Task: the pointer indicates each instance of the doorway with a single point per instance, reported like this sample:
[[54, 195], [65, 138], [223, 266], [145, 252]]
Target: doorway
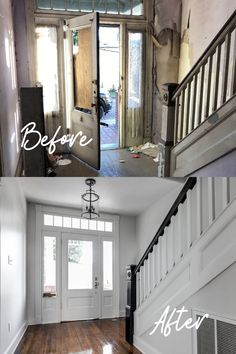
[[109, 37], [79, 269]]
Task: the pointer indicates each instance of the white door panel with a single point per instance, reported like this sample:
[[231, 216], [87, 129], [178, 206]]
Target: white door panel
[[80, 291]]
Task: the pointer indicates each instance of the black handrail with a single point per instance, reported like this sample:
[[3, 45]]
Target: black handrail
[[173, 211]]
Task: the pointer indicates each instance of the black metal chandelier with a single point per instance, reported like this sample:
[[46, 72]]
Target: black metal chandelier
[[90, 201]]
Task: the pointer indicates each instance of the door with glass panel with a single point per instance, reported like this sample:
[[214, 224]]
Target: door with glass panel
[[82, 86], [80, 277], [135, 88]]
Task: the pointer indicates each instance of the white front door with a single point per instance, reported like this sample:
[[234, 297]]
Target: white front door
[[80, 277]]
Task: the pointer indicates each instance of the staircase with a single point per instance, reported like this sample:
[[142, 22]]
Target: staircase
[[193, 246], [200, 115]]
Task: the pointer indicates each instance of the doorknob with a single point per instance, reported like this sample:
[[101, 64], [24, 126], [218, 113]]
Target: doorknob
[[96, 284]]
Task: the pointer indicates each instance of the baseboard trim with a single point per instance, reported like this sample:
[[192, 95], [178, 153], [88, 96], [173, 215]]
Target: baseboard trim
[[16, 340], [144, 347], [122, 313]]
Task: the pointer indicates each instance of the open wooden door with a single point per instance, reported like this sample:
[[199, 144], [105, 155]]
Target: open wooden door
[[82, 83]]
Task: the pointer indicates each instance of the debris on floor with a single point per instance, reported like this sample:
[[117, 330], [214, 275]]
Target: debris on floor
[[148, 149], [135, 156], [64, 162]]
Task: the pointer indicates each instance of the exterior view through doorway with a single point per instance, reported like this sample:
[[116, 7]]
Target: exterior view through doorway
[[109, 37]]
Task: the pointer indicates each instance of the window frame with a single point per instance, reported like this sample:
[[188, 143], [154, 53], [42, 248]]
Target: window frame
[[80, 13]]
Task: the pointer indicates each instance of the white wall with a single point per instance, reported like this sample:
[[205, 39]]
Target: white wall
[[206, 20], [128, 254], [212, 299], [9, 113], [148, 223], [13, 276]]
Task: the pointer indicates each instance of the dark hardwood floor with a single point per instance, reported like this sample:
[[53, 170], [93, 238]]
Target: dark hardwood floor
[[111, 166], [83, 337]]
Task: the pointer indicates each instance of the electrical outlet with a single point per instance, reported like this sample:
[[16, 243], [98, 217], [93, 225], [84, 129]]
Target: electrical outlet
[[9, 327]]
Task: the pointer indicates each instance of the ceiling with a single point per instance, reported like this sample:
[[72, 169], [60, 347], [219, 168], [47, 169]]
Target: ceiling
[[125, 196]]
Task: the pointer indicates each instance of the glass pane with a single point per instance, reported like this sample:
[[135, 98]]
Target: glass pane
[[66, 222], [58, 4], [100, 5], [84, 224], [107, 266], [48, 220], [108, 226], [44, 4], [58, 221], [135, 70], [112, 7], [125, 7], [47, 67], [92, 225], [76, 223], [137, 8], [49, 266], [101, 225], [80, 265], [86, 5], [73, 5]]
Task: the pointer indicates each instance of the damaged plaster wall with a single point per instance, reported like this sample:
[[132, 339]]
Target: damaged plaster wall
[[201, 21], [166, 30], [10, 112]]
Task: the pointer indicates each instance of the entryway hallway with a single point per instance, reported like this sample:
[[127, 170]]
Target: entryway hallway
[[84, 337]]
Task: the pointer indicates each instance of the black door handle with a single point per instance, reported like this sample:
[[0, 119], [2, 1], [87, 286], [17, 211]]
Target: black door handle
[[104, 124]]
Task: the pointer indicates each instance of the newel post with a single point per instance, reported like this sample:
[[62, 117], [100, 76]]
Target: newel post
[[167, 132], [131, 303]]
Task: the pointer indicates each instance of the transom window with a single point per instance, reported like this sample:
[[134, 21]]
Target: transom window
[[121, 7], [77, 223]]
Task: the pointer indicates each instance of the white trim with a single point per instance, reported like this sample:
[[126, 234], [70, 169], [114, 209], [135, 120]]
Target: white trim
[[144, 347], [41, 229], [200, 266], [16, 340]]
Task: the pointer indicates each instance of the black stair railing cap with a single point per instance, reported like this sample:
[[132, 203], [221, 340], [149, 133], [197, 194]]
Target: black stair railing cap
[[190, 183]]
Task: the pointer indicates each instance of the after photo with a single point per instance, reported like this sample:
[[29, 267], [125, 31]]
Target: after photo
[[118, 265]]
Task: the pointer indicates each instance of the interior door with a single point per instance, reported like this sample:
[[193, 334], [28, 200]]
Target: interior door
[[82, 78], [80, 271]]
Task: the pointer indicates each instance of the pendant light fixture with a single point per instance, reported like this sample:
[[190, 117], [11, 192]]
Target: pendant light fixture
[[90, 201]]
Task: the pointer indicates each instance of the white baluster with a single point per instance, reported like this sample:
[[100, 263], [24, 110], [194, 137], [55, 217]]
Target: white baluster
[[211, 200], [199, 207], [184, 235], [145, 279], [163, 256], [158, 253], [232, 188], [225, 192], [154, 264], [170, 246], [138, 289], [141, 283], [179, 222]]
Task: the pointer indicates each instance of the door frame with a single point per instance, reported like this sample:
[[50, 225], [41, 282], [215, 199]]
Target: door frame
[[35, 279], [34, 17]]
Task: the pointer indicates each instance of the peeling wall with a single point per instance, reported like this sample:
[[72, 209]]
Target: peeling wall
[[166, 29], [204, 18], [9, 113]]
